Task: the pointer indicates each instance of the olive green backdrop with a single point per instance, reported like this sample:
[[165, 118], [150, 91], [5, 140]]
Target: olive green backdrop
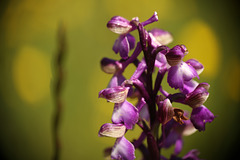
[[28, 45]]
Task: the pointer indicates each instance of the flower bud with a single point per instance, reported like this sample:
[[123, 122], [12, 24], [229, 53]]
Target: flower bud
[[176, 54], [196, 65], [115, 95], [112, 130], [110, 66], [165, 111], [198, 96], [162, 36], [119, 25]]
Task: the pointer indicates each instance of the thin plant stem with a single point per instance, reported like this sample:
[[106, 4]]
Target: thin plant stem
[[58, 90]]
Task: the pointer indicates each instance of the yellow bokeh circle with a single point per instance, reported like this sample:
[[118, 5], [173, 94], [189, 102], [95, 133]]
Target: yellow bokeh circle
[[31, 74], [202, 44]]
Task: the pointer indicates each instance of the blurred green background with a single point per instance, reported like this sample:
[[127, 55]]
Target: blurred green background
[[28, 45]]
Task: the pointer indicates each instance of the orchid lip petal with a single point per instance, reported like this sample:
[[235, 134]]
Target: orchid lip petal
[[126, 114], [200, 116], [123, 149]]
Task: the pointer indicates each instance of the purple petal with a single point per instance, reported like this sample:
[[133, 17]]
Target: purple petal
[[121, 45], [178, 146], [125, 113], [123, 149], [115, 95], [192, 155], [143, 110], [116, 80], [162, 36], [131, 41], [152, 19], [161, 61], [188, 71], [171, 139], [196, 65], [189, 86], [165, 111], [112, 130], [119, 25], [200, 116], [198, 96], [144, 113], [175, 77], [140, 69]]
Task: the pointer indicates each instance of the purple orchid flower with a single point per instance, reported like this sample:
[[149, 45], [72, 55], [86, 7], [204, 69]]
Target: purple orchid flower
[[174, 133], [154, 109]]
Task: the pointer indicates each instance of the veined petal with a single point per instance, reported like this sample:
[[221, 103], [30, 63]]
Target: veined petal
[[125, 113], [112, 130], [115, 95], [123, 149], [119, 25], [165, 111], [175, 55], [200, 116], [198, 96]]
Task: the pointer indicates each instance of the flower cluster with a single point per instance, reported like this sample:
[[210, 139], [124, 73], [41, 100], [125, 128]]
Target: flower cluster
[[155, 105]]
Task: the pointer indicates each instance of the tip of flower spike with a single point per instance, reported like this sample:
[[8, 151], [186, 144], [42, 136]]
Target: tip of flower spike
[[155, 15]]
